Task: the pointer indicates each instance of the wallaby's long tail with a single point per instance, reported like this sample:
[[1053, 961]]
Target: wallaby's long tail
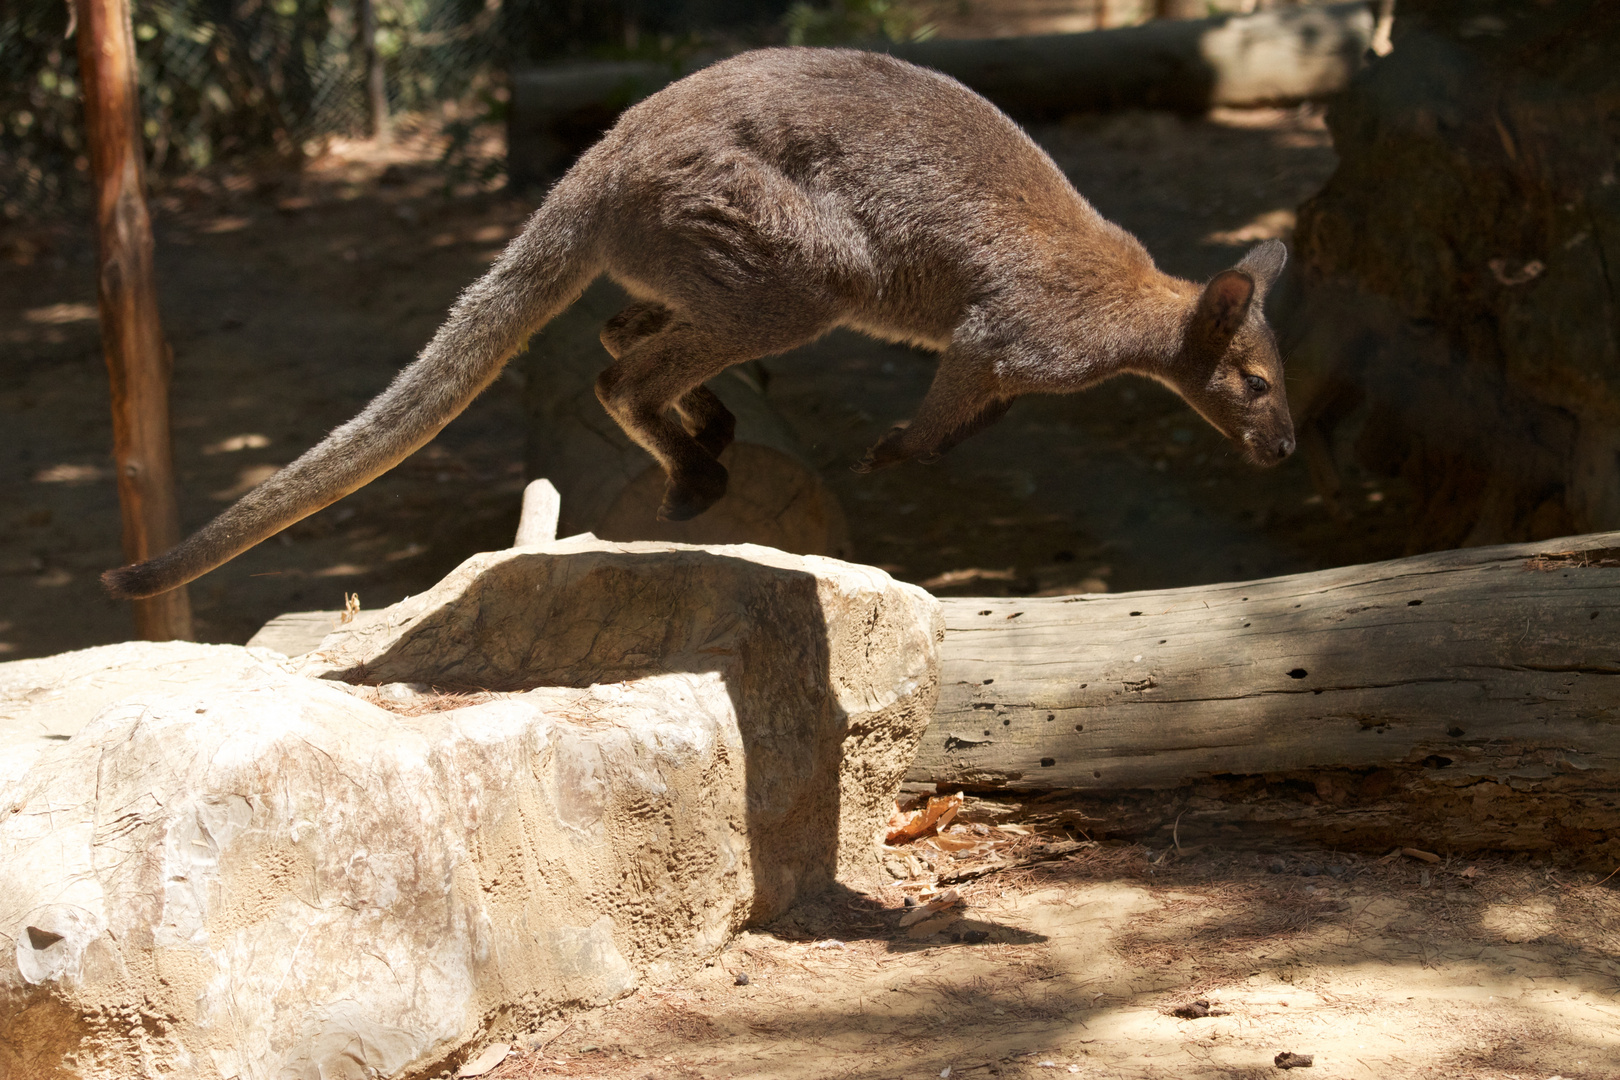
[[540, 273]]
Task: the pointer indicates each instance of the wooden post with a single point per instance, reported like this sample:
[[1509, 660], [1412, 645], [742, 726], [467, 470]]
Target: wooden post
[[377, 121], [138, 359]]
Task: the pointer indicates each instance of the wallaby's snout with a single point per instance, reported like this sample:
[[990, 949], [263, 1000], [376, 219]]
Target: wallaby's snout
[[1266, 449]]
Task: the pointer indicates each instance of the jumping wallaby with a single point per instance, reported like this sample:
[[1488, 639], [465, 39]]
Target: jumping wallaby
[[756, 205]]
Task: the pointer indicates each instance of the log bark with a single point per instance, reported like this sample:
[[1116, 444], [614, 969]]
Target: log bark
[[1189, 65], [612, 487], [1472, 696], [138, 359]]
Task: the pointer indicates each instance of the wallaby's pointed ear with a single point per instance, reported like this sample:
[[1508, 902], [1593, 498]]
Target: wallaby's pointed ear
[[1264, 263], [1224, 304]]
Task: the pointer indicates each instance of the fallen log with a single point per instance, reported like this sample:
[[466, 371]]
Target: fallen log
[[1458, 701], [1465, 699], [1186, 65], [1286, 55]]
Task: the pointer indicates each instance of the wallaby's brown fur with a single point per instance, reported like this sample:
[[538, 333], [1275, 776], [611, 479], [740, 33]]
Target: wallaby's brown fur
[[760, 203]]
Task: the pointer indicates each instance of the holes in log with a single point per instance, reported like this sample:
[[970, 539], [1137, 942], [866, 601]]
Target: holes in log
[[1298, 673], [1096, 775], [1006, 723], [986, 611], [1436, 761], [1414, 603], [1050, 717], [1079, 727], [1135, 613], [1455, 732], [1047, 762]]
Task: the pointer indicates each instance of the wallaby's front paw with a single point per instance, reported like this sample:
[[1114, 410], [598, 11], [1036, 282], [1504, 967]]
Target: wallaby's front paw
[[687, 496], [889, 450]]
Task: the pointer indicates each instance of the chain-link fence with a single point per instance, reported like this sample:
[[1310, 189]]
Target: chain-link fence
[[225, 79], [228, 79]]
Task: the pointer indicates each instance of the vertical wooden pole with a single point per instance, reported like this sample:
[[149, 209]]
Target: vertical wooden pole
[[376, 87], [138, 359]]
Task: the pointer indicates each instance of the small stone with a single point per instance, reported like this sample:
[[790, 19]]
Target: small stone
[[741, 979]]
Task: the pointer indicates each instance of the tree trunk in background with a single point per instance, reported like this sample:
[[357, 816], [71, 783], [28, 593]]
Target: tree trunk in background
[[1180, 9], [1456, 317], [612, 487], [377, 118], [138, 359]]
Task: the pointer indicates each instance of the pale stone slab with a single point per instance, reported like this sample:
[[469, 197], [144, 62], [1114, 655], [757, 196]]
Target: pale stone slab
[[230, 868]]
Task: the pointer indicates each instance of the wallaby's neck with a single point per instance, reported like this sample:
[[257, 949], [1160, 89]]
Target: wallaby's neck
[[1130, 320]]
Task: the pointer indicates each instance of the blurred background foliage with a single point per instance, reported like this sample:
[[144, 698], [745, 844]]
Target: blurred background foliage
[[245, 80]]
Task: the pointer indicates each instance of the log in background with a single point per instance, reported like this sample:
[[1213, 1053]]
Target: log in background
[[1461, 700]]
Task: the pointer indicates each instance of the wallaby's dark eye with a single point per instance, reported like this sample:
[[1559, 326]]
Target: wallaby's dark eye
[[1257, 385]]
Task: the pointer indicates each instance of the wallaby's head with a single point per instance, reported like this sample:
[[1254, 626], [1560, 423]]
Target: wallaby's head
[[1228, 368]]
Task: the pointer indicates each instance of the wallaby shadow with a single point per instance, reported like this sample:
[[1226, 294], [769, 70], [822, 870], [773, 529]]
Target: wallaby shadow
[[840, 913]]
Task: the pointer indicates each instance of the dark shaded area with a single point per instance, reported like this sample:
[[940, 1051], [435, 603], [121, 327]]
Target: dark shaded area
[[1457, 322], [554, 29]]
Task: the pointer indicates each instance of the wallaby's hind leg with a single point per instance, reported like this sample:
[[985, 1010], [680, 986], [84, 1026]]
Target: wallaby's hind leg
[[654, 373], [641, 319], [963, 400], [703, 415], [706, 418]]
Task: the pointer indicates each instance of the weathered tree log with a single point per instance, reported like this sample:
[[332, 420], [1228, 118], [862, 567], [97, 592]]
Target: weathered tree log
[[1400, 698], [1188, 65], [612, 487]]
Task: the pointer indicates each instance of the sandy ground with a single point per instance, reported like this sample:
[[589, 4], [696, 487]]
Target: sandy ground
[[1377, 969]]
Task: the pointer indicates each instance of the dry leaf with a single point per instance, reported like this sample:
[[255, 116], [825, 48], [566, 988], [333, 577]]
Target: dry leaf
[[936, 815], [493, 1055], [945, 900], [1472, 871], [1415, 853], [956, 842]]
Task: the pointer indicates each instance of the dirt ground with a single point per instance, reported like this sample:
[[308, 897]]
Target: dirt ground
[[291, 299], [1122, 962]]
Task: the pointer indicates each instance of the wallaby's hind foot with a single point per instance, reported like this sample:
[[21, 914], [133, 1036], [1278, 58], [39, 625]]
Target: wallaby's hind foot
[[693, 491], [706, 418]]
